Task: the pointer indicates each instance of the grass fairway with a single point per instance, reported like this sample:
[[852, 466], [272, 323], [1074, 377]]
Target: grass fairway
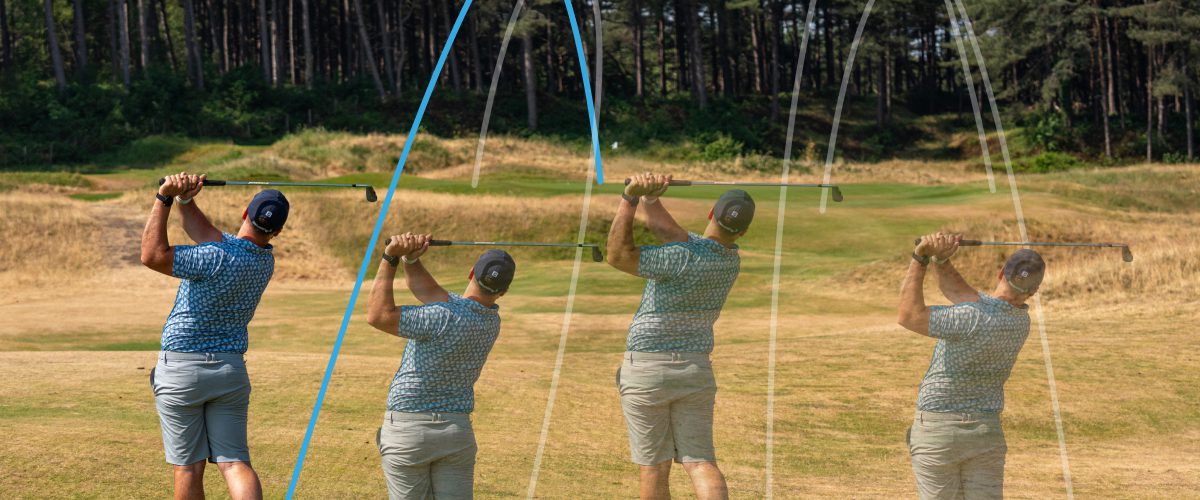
[[81, 324]]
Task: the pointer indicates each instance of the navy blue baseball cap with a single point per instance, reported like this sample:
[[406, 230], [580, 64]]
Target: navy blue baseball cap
[[494, 271], [268, 211], [734, 211], [1024, 270]]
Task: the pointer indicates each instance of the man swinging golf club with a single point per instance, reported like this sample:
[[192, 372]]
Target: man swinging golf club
[[956, 442], [666, 381], [426, 442], [200, 384]]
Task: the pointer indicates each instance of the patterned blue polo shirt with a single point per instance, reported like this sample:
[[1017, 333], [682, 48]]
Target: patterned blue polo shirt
[[977, 346], [222, 284], [686, 289], [448, 343]]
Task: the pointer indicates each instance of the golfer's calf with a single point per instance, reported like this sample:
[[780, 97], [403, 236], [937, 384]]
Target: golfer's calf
[[956, 441], [426, 442], [666, 380], [200, 384]]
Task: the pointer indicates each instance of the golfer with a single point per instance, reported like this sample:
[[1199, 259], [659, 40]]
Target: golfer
[[201, 387], [956, 442], [666, 380], [426, 441]]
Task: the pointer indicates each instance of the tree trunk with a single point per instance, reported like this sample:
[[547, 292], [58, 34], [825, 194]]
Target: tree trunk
[[776, 45], [143, 35], [60, 77], [194, 63], [476, 63], [828, 32], [264, 40], [662, 53], [1150, 104], [81, 58], [389, 67], [306, 32], [5, 39], [755, 51], [1187, 108], [530, 79], [697, 54], [166, 29], [123, 38], [278, 54], [681, 59], [635, 18], [368, 54], [455, 76]]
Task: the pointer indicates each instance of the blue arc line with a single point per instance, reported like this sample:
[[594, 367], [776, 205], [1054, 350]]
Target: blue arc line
[[587, 92], [362, 270]]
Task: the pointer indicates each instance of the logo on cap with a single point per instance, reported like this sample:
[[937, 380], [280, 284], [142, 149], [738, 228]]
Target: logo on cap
[[733, 214], [268, 213], [495, 273]]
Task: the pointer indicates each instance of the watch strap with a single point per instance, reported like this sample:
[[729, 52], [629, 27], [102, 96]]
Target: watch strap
[[166, 200], [924, 261], [633, 200], [394, 261]]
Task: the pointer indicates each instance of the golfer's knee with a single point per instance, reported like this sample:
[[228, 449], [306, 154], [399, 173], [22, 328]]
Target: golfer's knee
[[701, 467], [234, 466], [190, 469]]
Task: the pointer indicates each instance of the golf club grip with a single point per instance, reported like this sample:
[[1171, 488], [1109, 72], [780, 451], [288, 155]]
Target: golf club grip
[[207, 182], [676, 182], [961, 243]]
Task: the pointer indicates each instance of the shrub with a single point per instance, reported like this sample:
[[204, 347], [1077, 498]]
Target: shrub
[[1047, 162]]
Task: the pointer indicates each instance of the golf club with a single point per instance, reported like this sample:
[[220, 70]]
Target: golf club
[[596, 255], [837, 192], [371, 197], [1126, 254]]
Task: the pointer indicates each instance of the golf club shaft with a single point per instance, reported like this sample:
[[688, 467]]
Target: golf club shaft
[[975, 243], [446, 243], [682, 182], [216, 182]]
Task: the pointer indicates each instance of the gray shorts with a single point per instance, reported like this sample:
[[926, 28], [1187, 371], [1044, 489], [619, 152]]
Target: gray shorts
[[668, 401], [957, 455], [427, 455], [202, 400]]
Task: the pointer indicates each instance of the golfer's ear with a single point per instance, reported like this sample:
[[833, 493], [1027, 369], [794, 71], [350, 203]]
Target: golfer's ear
[[710, 213], [245, 213]]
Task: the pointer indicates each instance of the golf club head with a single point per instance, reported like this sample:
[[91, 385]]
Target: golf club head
[[596, 255], [371, 197], [1126, 254], [837, 194]]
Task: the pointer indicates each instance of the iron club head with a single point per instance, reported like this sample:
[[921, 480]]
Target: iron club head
[[371, 197], [596, 255], [1126, 254], [837, 194]]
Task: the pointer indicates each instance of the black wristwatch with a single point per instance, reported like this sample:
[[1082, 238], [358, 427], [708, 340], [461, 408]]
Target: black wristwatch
[[924, 261], [393, 260], [166, 200], [633, 200]]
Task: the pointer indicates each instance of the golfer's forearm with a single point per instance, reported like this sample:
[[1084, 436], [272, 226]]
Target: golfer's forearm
[[422, 284], [156, 250], [660, 222], [913, 313], [622, 253], [196, 224], [382, 312], [953, 286]]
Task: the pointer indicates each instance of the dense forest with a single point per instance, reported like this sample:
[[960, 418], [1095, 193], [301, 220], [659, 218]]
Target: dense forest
[[1100, 79]]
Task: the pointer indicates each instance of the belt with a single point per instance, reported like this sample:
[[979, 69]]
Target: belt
[[666, 356], [201, 356], [954, 416], [425, 416]]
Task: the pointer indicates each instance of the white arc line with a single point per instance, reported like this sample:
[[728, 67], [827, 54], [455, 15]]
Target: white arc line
[[1037, 302], [599, 54], [562, 339], [487, 110], [787, 159], [837, 114], [966, 64]]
